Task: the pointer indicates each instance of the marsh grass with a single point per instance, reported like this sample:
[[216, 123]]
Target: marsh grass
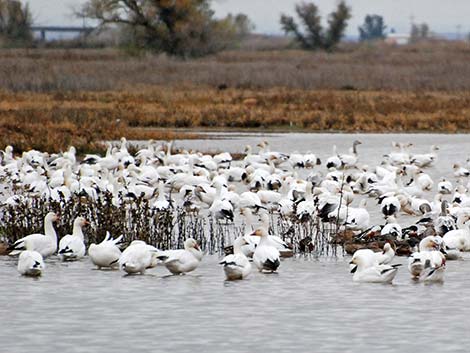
[[135, 219]]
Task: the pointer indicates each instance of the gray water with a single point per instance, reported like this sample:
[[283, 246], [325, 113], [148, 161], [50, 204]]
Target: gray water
[[310, 305]]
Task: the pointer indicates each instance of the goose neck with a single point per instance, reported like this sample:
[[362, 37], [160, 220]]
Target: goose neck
[[49, 229]]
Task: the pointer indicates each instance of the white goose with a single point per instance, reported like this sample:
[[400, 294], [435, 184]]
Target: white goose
[[107, 253], [266, 257], [428, 264], [45, 244], [138, 257], [236, 266], [460, 171], [392, 228], [426, 159], [161, 204], [30, 263], [72, 246], [444, 186], [350, 160], [221, 208], [459, 238], [390, 204], [182, 261], [375, 273]]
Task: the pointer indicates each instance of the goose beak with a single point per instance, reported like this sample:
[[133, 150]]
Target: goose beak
[[196, 247], [353, 268]]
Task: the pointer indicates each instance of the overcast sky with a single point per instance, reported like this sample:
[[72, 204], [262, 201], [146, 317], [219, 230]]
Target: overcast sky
[[442, 16]]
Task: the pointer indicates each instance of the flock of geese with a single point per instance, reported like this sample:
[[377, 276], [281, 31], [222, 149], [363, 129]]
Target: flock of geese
[[294, 185]]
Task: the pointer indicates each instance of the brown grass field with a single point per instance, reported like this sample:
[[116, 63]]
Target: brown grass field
[[50, 99]]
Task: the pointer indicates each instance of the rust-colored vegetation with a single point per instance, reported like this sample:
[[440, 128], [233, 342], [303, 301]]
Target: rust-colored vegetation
[[50, 99]]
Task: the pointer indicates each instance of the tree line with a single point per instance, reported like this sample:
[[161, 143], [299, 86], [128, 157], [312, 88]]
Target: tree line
[[188, 28]]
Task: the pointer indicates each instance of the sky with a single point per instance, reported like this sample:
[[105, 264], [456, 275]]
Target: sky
[[442, 16]]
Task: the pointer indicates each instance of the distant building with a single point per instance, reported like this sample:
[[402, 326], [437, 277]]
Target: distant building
[[397, 38]]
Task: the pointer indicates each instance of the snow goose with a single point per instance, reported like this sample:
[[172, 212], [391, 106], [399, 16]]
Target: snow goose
[[138, 257], [444, 186], [424, 181], [390, 205], [237, 266], [107, 253], [161, 203], [45, 244], [72, 246], [182, 261], [306, 208], [354, 218], [350, 160], [459, 238], [392, 228], [221, 208], [333, 161], [401, 157], [248, 249], [223, 159], [376, 273], [444, 223], [428, 256], [460, 171], [30, 263], [252, 158], [426, 159], [266, 257]]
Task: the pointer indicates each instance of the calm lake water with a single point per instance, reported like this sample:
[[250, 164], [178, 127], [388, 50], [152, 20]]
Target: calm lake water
[[310, 305]]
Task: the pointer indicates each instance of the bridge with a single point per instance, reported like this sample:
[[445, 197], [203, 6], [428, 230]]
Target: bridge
[[85, 31]]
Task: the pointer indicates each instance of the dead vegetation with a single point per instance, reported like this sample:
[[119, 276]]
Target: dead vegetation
[[50, 99], [437, 66]]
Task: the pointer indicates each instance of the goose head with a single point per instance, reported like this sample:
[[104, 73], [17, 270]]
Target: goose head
[[355, 263], [190, 244], [52, 217], [80, 222], [428, 244], [260, 232]]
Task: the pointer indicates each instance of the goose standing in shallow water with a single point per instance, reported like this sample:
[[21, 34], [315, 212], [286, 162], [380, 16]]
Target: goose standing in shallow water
[[72, 246], [45, 244], [30, 263], [107, 253], [236, 266], [182, 261], [138, 257], [266, 257]]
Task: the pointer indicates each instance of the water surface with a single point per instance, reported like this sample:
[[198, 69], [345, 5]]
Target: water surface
[[310, 305]]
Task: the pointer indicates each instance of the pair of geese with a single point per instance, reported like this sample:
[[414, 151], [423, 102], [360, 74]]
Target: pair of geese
[[425, 265], [136, 258]]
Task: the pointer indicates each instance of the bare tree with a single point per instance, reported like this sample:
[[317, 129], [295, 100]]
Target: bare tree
[[315, 37], [15, 22], [177, 27]]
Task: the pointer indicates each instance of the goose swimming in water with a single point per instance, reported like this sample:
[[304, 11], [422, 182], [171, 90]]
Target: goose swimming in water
[[375, 273], [236, 266], [266, 257], [428, 264], [30, 263]]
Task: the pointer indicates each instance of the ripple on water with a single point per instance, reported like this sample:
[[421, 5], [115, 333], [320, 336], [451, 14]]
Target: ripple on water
[[309, 304]]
